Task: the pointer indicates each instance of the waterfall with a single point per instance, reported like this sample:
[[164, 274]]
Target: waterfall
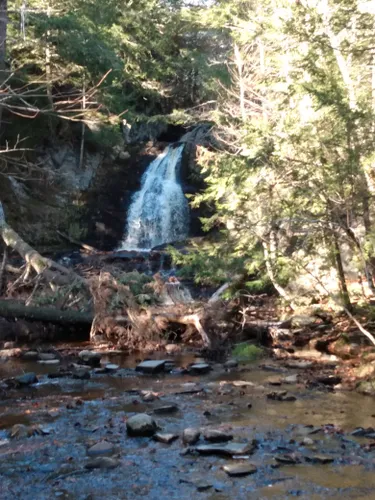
[[159, 211]]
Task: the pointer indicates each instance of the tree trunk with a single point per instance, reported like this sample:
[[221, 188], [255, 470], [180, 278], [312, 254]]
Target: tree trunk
[[341, 273], [3, 39], [53, 272]]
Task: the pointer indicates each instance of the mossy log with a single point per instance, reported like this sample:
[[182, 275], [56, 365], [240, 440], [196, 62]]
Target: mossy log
[[14, 309]]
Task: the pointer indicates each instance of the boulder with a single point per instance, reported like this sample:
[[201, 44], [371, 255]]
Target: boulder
[[141, 425]]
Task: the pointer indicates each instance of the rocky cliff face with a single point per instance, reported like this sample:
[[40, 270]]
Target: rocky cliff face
[[89, 202]]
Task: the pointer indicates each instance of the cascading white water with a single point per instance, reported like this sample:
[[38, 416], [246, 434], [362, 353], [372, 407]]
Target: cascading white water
[[159, 212]]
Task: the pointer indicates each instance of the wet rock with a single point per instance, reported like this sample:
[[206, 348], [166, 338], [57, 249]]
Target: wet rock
[[229, 449], [172, 408], [92, 358], [216, 436], [367, 387], [308, 441], [366, 370], [111, 367], [30, 355], [329, 380], [10, 345], [291, 379], [287, 459], [141, 425], [302, 320], [199, 369], [46, 356], [231, 363], [60, 374], [49, 362], [27, 379], [151, 366], [76, 366], [235, 470], [274, 380], [302, 365], [102, 463], [169, 366], [101, 448], [18, 431], [362, 432], [280, 396], [81, 375], [190, 436], [10, 353], [165, 438], [149, 396], [320, 459]]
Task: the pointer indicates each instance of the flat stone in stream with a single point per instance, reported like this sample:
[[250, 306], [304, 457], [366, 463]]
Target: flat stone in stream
[[151, 366], [320, 459], [190, 435], [236, 470], [231, 363], [27, 379], [46, 356], [229, 449], [111, 367], [165, 438], [200, 369], [141, 425], [216, 436], [101, 448], [49, 362], [172, 408]]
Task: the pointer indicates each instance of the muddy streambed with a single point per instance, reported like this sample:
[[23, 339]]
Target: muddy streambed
[[302, 447]]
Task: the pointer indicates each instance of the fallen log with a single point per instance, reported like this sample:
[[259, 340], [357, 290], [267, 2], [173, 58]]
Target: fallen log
[[54, 273], [14, 309]]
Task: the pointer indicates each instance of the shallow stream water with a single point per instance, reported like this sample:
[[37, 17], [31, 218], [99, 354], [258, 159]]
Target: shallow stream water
[[76, 414]]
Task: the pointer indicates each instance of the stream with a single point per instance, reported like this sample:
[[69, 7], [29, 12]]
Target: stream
[[304, 447]]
